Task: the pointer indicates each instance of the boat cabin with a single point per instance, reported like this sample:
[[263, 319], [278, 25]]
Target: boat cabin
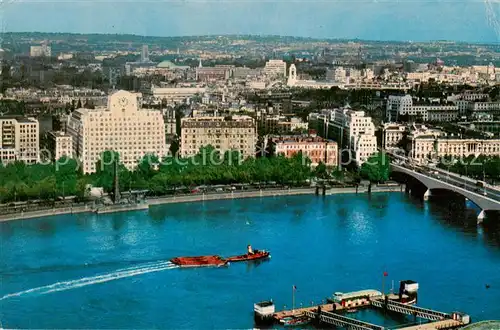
[[355, 299]]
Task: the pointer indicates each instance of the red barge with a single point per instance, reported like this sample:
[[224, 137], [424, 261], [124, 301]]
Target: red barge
[[201, 261], [217, 261]]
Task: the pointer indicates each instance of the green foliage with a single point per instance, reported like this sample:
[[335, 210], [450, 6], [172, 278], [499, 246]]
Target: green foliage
[[105, 170], [20, 182], [321, 171], [377, 168]]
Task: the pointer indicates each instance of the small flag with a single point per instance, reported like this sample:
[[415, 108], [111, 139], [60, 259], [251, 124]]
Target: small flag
[[386, 274]]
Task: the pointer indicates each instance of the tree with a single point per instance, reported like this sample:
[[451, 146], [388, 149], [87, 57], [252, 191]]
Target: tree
[[377, 168], [66, 174], [106, 170], [321, 171]]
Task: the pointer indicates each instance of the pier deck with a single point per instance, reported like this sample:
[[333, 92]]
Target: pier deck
[[443, 324], [301, 311], [439, 320]]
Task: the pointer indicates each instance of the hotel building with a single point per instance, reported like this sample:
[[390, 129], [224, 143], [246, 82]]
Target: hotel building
[[315, 148], [224, 134], [121, 126]]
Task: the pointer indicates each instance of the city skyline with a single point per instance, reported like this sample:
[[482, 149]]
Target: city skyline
[[375, 20]]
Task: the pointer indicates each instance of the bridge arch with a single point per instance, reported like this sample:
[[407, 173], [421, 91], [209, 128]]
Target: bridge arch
[[485, 203]]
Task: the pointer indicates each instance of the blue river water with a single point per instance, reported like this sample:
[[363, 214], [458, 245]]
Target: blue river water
[[111, 271]]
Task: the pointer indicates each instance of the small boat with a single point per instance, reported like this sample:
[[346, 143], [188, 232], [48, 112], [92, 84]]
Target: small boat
[[352, 310], [251, 255], [293, 321], [200, 261], [256, 255]]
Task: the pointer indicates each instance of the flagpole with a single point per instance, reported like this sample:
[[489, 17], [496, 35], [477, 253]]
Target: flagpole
[[383, 284], [293, 298]]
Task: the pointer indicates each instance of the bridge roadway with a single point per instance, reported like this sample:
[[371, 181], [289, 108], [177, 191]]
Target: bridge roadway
[[460, 181], [420, 312], [488, 202]]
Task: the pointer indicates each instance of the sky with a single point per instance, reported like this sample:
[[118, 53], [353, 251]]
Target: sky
[[405, 20]]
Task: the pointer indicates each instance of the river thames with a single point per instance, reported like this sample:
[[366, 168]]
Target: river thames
[[112, 271]]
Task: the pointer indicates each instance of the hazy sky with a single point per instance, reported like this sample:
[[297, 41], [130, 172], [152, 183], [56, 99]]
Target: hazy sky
[[464, 20]]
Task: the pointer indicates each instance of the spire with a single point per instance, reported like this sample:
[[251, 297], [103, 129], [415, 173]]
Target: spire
[[200, 65]]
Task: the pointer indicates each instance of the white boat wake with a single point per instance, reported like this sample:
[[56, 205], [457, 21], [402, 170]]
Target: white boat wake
[[73, 284]]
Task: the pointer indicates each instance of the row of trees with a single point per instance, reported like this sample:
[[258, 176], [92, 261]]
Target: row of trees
[[21, 182]]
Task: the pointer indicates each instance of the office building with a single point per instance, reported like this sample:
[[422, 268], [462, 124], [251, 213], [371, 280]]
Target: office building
[[60, 145], [145, 54], [210, 74], [275, 68], [19, 139], [392, 135], [40, 51], [176, 94], [122, 126], [398, 106], [351, 129]]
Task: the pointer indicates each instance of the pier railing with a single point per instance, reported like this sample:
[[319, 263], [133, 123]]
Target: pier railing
[[343, 321], [424, 313]]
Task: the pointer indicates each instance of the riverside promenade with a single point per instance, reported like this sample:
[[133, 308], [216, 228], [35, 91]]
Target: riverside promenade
[[187, 198]]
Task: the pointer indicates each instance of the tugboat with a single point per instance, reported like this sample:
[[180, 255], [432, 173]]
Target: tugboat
[[201, 261], [251, 255]]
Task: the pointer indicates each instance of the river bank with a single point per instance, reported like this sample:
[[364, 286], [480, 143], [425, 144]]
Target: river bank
[[195, 198]]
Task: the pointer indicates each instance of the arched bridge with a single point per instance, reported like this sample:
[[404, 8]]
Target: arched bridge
[[486, 199]]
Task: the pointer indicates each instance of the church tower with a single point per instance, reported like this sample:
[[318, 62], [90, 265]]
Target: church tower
[[292, 75]]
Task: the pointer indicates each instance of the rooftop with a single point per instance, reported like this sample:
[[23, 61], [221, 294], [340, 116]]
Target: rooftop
[[299, 139]]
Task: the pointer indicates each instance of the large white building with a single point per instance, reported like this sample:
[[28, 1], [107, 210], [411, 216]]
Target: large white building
[[19, 139], [352, 130], [121, 126], [361, 132], [40, 51], [403, 105], [293, 81], [276, 68]]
